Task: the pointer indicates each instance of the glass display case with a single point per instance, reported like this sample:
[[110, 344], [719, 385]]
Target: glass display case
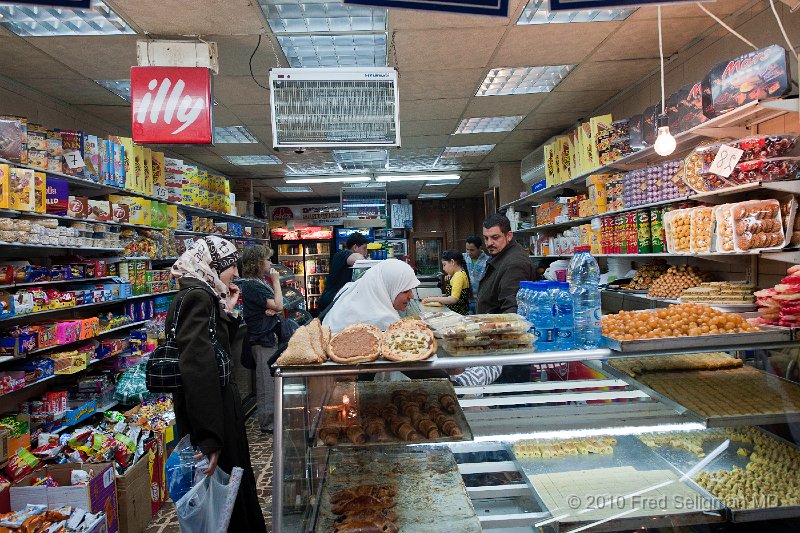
[[600, 440]]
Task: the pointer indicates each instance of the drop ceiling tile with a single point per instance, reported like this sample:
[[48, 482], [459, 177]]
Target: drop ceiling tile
[[240, 90], [102, 57], [607, 74], [251, 114], [235, 51], [431, 109], [580, 101], [684, 10], [544, 121], [21, 61], [509, 152], [117, 115], [436, 84], [491, 106], [432, 141], [175, 17], [243, 149], [526, 136], [432, 50], [419, 19], [77, 92], [421, 128], [551, 44], [262, 133], [640, 39]]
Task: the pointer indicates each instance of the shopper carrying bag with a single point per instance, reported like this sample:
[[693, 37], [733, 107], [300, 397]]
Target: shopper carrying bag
[[263, 305], [208, 411]]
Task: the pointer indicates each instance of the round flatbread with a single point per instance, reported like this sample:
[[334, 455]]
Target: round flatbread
[[408, 340], [433, 304], [359, 343]]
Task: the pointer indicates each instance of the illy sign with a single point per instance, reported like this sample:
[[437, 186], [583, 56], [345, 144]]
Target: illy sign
[[171, 105]]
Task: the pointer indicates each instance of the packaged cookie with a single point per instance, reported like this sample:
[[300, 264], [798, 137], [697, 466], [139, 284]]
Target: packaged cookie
[[757, 225], [724, 229], [678, 226], [702, 229]]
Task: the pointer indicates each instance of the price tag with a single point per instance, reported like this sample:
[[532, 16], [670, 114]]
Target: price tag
[[74, 160], [727, 159]]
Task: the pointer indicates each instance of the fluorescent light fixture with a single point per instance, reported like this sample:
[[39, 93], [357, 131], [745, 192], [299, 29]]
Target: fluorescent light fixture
[[419, 177], [442, 183], [537, 12], [367, 185], [488, 124], [293, 189], [523, 80], [320, 16], [340, 50], [432, 195], [42, 21], [343, 179], [467, 151], [121, 88], [248, 160], [233, 135], [361, 159]]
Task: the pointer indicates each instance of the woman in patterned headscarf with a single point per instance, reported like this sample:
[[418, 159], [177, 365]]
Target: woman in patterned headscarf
[[210, 413]]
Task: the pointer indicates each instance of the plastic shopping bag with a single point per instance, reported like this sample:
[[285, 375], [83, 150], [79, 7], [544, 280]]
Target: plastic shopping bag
[[208, 505], [180, 469]]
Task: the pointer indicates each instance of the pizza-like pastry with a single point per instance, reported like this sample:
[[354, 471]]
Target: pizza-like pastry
[[408, 340], [359, 343]]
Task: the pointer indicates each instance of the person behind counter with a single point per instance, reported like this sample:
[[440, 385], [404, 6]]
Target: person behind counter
[[476, 260], [509, 264], [375, 298], [340, 273], [210, 413], [457, 288], [261, 303]]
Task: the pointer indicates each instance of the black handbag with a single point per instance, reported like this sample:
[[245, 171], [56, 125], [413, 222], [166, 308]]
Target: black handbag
[[163, 372]]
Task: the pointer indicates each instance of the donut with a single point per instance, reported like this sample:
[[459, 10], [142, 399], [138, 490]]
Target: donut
[[739, 212], [745, 241]]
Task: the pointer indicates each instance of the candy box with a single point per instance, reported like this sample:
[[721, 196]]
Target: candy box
[[98, 496], [46, 335], [78, 207], [35, 369], [67, 332], [99, 210], [690, 107], [21, 192], [5, 186], [56, 196], [6, 304], [14, 132], [23, 302], [90, 327], [120, 213], [70, 362]]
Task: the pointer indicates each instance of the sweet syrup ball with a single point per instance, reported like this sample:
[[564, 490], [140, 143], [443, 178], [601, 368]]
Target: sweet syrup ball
[[683, 320]]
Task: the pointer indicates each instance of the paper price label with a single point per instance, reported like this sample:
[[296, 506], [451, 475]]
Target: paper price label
[[725, 162], [74, 160]]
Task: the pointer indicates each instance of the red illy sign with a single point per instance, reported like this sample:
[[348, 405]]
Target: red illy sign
[[171, 105]]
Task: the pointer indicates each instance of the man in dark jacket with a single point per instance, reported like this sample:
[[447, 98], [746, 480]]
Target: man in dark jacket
[[508, 266]]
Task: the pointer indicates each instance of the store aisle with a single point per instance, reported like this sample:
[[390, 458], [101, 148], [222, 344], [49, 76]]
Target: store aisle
[[260, 455]]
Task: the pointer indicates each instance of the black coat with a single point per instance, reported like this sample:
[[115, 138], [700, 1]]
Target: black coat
[[498, 289], [212, 416]]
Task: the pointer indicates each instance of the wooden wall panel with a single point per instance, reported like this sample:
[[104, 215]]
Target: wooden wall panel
[[455, 219]]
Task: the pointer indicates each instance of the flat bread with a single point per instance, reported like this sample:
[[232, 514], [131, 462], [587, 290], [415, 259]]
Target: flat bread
[[359, 343], [408, 340], [315, 333], [299, 351], [433, 304], [326, 338]]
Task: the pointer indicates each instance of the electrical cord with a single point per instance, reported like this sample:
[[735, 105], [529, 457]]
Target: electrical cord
[[251, 64]]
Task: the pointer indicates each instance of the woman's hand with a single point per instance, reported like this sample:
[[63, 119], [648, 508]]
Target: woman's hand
[[274, 275], [233, 295], [429, 299], [271, 312], [213, 457]]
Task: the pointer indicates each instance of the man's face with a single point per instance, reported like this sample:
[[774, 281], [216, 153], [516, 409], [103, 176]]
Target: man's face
[[473, 251], [496, 241], [361, 250]]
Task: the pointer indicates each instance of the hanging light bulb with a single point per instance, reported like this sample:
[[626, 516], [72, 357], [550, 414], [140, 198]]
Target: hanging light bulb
[[665, 143]]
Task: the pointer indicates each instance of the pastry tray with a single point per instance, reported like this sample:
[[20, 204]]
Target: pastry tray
[[371, 392], [684, 460], [431, 495], [711, 342], [616, 485]]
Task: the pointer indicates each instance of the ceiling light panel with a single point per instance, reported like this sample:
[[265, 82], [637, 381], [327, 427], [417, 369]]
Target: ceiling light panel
[[418, 177], [121, 88], [476, 150], [488, 124], [319, 16], [292, 189], [345, 50], [41, 21], [343, 179], [432, 195], [536, 12], [361, 159], [523, 80], [247, 160], [233, 135]]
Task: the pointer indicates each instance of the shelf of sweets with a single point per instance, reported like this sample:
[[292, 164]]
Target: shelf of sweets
[[101, 189], [745, 116], [49, 312], [100, 409], [228, 237], [76, 249], [58, 282]]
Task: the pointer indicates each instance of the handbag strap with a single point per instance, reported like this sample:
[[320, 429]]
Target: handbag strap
[[212, 324]]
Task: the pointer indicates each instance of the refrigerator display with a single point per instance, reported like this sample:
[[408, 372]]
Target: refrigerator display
[[342, 234], [308, 258]]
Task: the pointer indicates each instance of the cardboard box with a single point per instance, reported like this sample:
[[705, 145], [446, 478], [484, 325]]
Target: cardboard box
[[57, 196], [78, 207], [3, 445], [98, 495], [40, 192], [5, 186], [134, 505], [158, 168], [22, 195], [21, 441]]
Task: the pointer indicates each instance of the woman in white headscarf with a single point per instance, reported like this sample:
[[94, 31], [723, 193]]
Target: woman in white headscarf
[[375, 298]]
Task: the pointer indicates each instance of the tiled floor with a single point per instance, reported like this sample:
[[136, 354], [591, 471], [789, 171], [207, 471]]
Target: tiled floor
[[261, 457]]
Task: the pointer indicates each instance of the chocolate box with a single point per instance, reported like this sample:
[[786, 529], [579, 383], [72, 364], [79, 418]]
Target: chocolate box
[[13, 131], [690, 108], [57, 196], [99, 210], [649, 124], [5, 186], [756, 75], [78, 207], [22, 195]]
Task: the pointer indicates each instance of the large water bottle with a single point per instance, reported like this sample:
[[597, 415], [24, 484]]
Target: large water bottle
[[562, 315], [541, 316], [523, 299], [584, 279]]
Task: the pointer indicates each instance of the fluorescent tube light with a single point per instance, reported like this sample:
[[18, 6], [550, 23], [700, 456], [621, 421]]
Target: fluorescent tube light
[[421, 177], [432, 195], [343, 179], [248, 160], [43, 21], [467, 151], [523, 80], [292, 189], [488, 124], [537, 12], [233, 135]]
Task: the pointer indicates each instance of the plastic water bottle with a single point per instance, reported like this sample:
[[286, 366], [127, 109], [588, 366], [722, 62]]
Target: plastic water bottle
[[584, 279], [541, 316], [523, 299], [562, 315]]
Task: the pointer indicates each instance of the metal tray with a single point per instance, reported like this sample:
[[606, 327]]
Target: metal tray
[[372, 392], [631, 454], [711, 342], [684, 460], [431, 496]]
